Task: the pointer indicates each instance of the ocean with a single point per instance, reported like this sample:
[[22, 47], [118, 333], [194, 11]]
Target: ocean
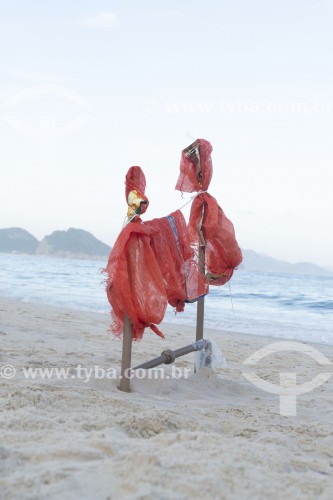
[[278, 305]]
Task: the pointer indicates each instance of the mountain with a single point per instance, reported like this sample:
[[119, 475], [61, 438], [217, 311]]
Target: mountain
[[253, 261], [15, 239], [73, 243], [77, 243]]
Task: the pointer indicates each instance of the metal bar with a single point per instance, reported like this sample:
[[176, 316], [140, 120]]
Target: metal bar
[[160, 360], [200, 318], [168, 356], [184, 350], [124, 384], [201, 301]]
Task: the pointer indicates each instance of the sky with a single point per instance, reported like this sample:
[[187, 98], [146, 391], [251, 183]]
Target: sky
[[88, 89]]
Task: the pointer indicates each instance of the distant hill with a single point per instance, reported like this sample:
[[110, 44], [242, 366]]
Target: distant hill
[[15, 239], [73, 243], [253, 261]]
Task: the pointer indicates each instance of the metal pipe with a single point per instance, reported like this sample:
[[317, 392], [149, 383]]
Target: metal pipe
[[160, 360], [167, 357], [201, 301], [124, 384], [200, 318]]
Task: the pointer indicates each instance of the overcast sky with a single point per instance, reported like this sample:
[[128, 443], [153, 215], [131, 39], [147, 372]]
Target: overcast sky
[[90, 88]]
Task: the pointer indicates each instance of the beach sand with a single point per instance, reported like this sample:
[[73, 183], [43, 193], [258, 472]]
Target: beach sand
[[205, 436]]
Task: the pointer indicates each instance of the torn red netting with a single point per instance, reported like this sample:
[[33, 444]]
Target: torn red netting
[[134, 283], [208, 225], [196, 168]]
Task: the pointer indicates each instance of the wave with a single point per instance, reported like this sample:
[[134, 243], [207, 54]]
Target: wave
[[252, 303]]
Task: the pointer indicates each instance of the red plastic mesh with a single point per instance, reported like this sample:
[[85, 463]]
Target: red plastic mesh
[[134, 283], [188, 182], [176, 260], [208, 224], [136, 181], [157, 262], [223, 254], [152, 263]]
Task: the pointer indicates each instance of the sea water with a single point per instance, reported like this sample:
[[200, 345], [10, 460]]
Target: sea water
[[279, 305]]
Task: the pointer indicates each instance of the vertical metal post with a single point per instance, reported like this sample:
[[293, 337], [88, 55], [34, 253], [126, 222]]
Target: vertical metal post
[[124, 384], [193, 153], [201, 301]]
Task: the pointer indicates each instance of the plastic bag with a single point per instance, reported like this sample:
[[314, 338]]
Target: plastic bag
[[212, 357]]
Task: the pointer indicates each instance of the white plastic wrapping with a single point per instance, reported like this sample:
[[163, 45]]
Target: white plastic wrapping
[[210, 357]]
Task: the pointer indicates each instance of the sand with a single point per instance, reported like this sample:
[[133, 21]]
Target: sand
[[211, 435]]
